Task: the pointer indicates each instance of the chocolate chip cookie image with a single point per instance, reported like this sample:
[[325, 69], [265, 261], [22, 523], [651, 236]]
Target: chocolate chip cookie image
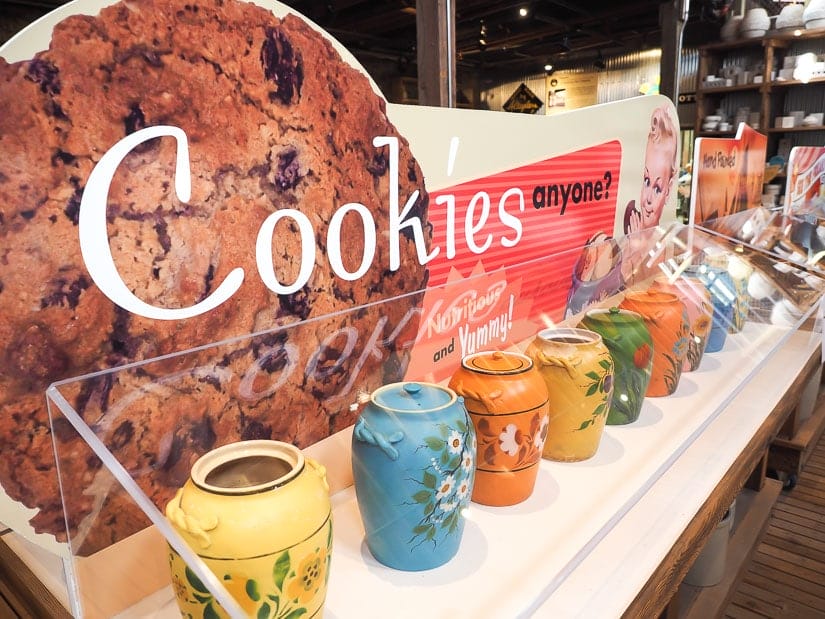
[[276, 121]]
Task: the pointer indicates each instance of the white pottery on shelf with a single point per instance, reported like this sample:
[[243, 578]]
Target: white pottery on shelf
[[755, 24], [790, 17], [709, 567], [814, 14], [730, 29]]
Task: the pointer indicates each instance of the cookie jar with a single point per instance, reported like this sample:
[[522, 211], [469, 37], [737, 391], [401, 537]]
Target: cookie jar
[[631, 348], [578, 371], [699, 311], [666, 318], [413, 466], [723, 297], [258, 514], [506, 399], [738, 272]]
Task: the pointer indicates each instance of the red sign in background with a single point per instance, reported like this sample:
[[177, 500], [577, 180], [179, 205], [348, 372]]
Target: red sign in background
[[499, 278]]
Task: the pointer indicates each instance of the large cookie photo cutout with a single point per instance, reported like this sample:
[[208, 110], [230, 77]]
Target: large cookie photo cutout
[[280, 135]]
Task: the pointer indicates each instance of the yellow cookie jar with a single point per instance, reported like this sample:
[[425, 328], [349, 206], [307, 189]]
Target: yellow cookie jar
[[578, 371], [258, 515]]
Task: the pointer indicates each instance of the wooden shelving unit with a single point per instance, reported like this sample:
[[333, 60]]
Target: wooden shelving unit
[[795, 442], [768, 97], [753, 509], [756, 495]]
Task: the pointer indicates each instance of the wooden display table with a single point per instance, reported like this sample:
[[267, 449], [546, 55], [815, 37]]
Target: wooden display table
[[638, 569], [634, 562]]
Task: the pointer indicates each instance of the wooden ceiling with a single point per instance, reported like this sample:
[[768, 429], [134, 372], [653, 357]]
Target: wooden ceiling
[[492, 35]]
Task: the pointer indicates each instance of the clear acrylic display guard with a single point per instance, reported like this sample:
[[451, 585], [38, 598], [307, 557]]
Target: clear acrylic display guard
[[511, 559]]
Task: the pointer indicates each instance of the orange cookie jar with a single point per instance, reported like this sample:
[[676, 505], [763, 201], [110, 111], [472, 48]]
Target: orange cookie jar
[[699, 305], [578, 371], [666, 318], [507, 401]]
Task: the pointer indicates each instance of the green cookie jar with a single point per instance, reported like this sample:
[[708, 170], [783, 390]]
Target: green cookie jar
[[631, 347]]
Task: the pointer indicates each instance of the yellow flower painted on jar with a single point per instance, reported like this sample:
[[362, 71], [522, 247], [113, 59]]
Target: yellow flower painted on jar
[[180, 588], [702, 325], [245, 592], [309, 578]]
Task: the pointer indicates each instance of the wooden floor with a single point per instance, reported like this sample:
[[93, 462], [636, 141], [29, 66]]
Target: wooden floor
[[786, 576]]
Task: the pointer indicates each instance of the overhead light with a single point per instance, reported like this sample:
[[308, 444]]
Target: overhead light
[[548, 67], [482, 34], [522, 12]]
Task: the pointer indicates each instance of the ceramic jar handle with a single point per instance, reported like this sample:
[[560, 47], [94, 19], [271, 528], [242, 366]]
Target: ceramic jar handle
[[365, 434], [319, 469], [486, 398], [568, 363], [196, 527]]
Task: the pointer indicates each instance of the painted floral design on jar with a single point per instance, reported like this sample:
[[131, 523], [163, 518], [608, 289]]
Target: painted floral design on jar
[[446, 483], [666, 319], [238, 512], [413, 467], [697, 301], [286, 591], [577, 370], [628, 340], [507, 401]]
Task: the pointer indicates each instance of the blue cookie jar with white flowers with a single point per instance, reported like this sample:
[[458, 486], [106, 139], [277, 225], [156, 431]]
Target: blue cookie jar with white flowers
[[413, 465]]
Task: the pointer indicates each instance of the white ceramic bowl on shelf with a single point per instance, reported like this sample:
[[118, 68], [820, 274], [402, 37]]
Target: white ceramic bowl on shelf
[[730, 29], [813, 120], [814, 14], [790, 17], [756, 23]]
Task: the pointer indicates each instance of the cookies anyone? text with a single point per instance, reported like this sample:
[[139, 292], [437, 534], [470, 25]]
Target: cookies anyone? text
[[99, 261]]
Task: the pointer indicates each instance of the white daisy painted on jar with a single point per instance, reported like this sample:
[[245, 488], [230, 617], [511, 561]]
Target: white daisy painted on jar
[[455, 442], [447, 506], [445, 487], [509, 439], [467, 462], [463, 490]]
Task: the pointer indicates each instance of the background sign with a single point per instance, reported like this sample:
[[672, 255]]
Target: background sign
[[727, 174], [523, 100], [805, 189]]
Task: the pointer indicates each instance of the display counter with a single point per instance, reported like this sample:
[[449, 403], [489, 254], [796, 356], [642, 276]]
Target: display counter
[[514, 560], [635, 568], [611, 533]]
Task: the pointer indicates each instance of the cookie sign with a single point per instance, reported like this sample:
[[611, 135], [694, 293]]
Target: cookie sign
[[147, 154], [97, 256], [206, 207]]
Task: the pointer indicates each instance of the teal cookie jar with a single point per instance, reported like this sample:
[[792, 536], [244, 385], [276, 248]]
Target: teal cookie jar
[[413, 466]]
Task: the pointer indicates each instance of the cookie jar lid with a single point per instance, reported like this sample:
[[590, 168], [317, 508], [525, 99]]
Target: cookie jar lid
[[651, 296], [611, 316], [413, 397], [497, 362]]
